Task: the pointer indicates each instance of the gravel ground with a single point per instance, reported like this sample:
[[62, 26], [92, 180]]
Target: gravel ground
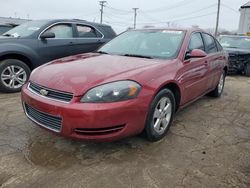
[[207, 146]]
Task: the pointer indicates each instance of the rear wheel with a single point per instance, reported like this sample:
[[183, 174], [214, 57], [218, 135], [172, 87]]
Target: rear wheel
[[220, 87], [247, 69], [13, 75], [160, 115]]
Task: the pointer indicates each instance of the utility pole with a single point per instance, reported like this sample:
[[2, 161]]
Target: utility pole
[[102, 4], [135, 16], [217, 19]]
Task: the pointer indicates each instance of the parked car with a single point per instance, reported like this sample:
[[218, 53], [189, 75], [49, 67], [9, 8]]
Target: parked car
[[6, 27], [238, 48], [134, 83], [36, 42]]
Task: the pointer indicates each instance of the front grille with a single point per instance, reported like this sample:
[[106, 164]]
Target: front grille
[[98, 131], [53, 123], [52, 94]]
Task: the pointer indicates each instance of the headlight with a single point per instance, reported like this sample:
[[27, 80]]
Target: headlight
[[112, 92]]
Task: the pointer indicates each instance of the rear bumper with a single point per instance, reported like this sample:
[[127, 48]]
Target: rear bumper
[[91, 122]]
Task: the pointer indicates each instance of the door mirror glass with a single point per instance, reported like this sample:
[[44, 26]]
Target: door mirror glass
[[47, 35], [196, 53]]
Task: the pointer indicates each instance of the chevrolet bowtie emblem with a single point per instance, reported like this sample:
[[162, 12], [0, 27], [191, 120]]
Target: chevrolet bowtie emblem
[[44, 92]]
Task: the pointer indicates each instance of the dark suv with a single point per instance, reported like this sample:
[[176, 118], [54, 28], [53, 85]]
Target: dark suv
[[37, 42]]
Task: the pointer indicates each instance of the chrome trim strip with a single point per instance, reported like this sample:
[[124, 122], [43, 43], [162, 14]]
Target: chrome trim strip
[[77, 23], [34, 92], [44, 126]]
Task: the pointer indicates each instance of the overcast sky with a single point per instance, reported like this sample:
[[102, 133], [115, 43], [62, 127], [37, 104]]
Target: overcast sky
[[119, 13]]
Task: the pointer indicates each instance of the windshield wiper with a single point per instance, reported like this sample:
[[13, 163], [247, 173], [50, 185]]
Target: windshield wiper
[[140, 56], [102, 52]]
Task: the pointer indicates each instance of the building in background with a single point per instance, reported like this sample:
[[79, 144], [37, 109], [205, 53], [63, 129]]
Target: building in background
[[244, 25]]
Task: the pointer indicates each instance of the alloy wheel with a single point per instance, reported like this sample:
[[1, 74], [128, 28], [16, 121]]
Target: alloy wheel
[[13, 77], [162, 115], [221, 83]]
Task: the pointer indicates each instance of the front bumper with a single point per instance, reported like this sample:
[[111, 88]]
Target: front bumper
[[91, 122]]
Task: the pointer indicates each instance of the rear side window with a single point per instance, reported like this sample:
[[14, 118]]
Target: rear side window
[[196, 42], [210, 44], [62, 31], [85, 31]]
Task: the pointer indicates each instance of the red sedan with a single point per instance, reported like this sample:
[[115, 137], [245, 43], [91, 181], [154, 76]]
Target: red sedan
[[134, 83]]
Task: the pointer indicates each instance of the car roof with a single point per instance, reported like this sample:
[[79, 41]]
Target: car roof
[[172, 29], [235, 36], [50, 21]]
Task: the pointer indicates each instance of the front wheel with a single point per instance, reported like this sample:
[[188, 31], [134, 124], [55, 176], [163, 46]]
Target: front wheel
[[220, 87], [13, 75], [160, 115]]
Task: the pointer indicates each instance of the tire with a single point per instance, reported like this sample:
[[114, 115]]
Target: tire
[[13, 75], [153, 132], [220, 86], [247, 69]]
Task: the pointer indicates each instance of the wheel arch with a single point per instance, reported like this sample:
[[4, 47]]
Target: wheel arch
[[17, 56], [174, 87]]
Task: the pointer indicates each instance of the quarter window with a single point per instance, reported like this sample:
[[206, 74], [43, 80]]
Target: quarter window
[[211, 46], [62, 31], [87, 32], [196, 42]]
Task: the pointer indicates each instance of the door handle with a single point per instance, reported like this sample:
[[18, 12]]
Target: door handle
[[71, 43]]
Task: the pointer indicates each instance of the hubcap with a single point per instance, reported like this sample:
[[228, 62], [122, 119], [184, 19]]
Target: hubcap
[[162, 115], [221, 83], [13, 77]]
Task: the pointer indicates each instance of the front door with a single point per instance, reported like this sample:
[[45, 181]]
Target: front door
[[195, 71], [60, 46]]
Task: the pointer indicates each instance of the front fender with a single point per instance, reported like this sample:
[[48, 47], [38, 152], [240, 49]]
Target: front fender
[[19, 49]]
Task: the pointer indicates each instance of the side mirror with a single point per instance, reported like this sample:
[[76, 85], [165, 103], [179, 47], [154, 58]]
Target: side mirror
[[196, 53], [47, 35]]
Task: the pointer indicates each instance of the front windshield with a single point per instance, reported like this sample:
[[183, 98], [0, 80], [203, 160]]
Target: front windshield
[[25, 29], [235, 42], [152, 43]]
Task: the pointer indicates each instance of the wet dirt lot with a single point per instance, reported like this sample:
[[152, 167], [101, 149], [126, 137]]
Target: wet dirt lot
[[207, 146]]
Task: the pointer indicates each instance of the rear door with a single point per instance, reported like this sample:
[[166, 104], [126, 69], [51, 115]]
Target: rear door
[[215, 60], [60, 46], [88, 39], [195, 71]]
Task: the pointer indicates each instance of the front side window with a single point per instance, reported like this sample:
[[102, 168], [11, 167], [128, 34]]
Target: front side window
[[151, 43], [196, 42], [211, 46], [62, 30], [87, 32]]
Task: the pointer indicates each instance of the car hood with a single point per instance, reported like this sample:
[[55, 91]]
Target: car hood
[[77, 74], [237, 51]]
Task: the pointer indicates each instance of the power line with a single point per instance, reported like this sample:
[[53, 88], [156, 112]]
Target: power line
[[179, 19], [120, 11], [173, 6], [228, 7], [189, 13]]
